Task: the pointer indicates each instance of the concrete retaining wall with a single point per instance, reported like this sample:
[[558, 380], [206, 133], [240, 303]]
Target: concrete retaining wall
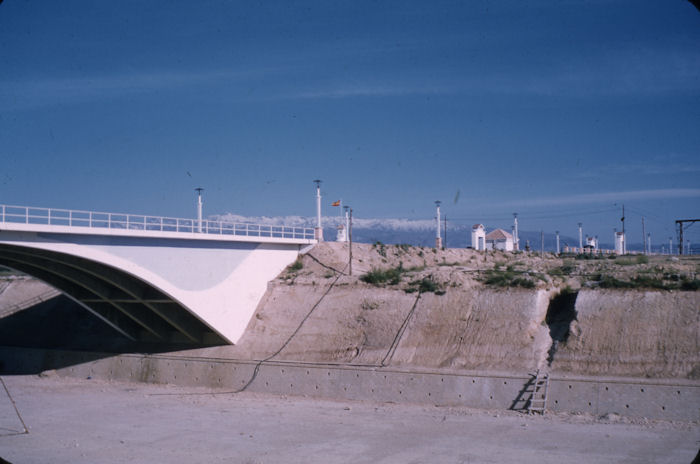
[[653, 399]]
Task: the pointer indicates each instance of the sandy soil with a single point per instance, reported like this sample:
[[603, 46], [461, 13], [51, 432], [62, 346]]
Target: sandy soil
[[90, 421]]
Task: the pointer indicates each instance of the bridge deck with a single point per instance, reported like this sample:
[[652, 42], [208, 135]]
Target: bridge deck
[[33, 219]]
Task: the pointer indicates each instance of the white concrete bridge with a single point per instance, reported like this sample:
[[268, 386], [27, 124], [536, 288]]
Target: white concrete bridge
[[152, 278]]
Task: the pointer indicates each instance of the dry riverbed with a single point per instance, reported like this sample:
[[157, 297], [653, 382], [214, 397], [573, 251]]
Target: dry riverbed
[[92, 421]]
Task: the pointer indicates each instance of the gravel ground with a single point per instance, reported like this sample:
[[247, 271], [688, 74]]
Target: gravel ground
[[91, 421]]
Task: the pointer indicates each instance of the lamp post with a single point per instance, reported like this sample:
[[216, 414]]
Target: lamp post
[[438, 239], [580, 237], [350, 241], [199, 208], [318, 232]]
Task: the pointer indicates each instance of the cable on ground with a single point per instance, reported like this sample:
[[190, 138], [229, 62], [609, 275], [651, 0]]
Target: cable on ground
[[399, 334], [14, 405], [284, 345]]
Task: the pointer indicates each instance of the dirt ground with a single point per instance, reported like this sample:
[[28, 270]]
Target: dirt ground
[[91, 421]]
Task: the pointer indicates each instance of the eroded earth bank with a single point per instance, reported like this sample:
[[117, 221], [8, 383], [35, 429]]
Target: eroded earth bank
[[461, 309]]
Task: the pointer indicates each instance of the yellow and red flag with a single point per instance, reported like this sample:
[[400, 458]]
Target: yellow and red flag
[[336, 203]]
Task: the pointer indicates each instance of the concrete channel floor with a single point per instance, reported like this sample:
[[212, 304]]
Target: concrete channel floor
[[93, 421]]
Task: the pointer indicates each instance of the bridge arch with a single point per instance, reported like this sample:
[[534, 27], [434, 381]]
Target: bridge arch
[[152, 279], [131, 306]]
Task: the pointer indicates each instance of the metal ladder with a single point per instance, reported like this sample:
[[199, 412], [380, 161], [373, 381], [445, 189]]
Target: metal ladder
[[538, 400]]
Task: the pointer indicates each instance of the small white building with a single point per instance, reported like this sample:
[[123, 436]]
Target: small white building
[[591, 243], [499, 239], [619, 243], [341, 234], [478, 237]]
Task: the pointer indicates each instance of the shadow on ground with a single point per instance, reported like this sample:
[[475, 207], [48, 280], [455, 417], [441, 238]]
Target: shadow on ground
[[60, 324]]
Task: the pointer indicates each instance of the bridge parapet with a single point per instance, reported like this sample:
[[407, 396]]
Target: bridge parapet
[[93, 222]]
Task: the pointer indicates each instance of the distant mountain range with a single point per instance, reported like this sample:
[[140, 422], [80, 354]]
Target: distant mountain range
[[408, 231]]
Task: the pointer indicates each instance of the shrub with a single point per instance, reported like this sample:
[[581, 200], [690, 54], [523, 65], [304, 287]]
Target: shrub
[[390, 276], [381, 248], [651, 282], [295, 266], [644, 281], [690, 285], [498, 278], [425, 285]]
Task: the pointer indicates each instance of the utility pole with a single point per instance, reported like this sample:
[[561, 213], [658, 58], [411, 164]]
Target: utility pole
[[438, 237], [542, 243], [624, 237], [649, 241], [445, 242], [644, 237], [347, 223], [580, 237], [680, 223], [350, 245], [199, 208]]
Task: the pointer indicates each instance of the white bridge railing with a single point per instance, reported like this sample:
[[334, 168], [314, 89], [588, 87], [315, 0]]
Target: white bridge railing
[[97, 220]]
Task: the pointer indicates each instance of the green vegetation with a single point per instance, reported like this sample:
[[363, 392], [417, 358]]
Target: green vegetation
[[649, 282], [295, 266], [390, 276], [425, 285], [380, 247], [447, 263], [564, 270], [589, 256], [630, 261], [690, 285], [498, 278], [382, 276]]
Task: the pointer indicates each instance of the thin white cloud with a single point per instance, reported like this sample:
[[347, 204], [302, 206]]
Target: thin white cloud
[[332, 221], [31, 93], [622, 72], [392, 89], [644, 169], [606, 197]]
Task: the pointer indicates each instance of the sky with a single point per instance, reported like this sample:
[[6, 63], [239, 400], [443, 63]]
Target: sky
[[560, 111]]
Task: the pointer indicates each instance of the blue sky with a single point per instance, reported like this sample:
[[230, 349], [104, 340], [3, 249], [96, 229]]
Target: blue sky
[[561, 111]]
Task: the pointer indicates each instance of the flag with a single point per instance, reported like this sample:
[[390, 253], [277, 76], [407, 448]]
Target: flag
[[336, 203]]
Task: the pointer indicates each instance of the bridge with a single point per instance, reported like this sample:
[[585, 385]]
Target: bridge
[[151, 278]]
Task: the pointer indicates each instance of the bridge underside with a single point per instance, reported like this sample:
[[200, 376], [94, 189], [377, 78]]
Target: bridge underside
[[129, 305]]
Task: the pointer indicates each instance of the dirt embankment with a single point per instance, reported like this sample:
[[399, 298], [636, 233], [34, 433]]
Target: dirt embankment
[[633, 332], [460, 309], [315, 312]]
